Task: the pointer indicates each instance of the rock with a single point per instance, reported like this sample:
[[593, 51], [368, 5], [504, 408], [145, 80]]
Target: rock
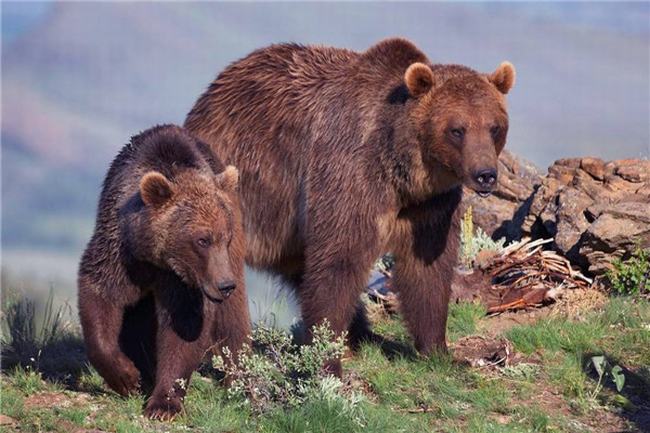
[[594, 166], [634, 170], [615, 232], [595, 211], [501, 214], [7, 421], [570, 221]]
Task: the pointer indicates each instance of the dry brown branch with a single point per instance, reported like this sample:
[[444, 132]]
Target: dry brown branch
[[525, 275], [522, 275]]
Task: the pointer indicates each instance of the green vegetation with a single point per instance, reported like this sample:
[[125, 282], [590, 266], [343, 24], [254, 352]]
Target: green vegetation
[[584, 358], [282, 374], [473, 241], [385, 263], [463, 319], [632, 276], [554, 386], [45, 340]]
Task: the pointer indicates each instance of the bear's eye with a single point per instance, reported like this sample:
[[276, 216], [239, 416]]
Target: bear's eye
[[203, 242], [495, 130], [457, 132]]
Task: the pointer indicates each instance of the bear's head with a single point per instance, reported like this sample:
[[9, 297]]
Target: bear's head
[[191, 226], [460, 120]]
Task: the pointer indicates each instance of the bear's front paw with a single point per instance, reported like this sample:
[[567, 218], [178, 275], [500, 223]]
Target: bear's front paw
[[125, 379], [163, 408]]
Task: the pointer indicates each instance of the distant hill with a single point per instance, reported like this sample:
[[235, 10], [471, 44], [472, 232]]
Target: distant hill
[[77, 84]]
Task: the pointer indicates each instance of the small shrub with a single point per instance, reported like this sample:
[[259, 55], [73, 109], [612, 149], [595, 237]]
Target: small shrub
[[20, 334], [473, 242], [632, 276], [603, 370], [283, 375], [45, 342], [523, 371]]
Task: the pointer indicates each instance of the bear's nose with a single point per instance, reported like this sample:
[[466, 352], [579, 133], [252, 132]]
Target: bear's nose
[[227, 287], [486, 178]]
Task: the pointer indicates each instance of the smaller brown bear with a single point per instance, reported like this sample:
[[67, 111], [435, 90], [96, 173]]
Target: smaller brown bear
[[161, 280]]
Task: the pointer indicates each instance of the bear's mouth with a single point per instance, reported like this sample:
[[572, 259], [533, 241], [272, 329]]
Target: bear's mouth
[[484, 193], [210, 297]]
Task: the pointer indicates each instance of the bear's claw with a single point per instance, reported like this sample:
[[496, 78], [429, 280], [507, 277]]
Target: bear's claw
[[125, 379], [165, 410]]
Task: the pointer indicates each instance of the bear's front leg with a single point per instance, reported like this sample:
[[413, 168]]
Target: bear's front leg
[[425, 244], [184, 335], [101, 322]]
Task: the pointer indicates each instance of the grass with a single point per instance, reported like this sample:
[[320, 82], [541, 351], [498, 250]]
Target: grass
[[48, 342], [463, 319], [549, 390]]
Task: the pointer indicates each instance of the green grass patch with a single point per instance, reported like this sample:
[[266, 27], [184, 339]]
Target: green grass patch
[[30, 381], [557, 334], [208, 408], [620, 332], [463, 319]]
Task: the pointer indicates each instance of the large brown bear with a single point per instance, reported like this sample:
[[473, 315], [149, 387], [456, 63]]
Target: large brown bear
[[161, 280], [344, 156]]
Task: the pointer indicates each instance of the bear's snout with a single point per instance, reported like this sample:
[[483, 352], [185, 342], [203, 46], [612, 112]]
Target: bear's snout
[[227, 287], [220, 290], [485, 180]]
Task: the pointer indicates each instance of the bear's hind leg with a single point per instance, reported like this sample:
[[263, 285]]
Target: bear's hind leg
[[360, 330], [330, 291]]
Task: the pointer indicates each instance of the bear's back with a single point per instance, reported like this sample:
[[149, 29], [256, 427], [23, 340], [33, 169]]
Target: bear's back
[[167, 149], [284, 78], [274, 85]]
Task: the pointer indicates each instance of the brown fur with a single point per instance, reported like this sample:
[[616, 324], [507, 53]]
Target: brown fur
[[167, 241], [344, 156], [418, 78]]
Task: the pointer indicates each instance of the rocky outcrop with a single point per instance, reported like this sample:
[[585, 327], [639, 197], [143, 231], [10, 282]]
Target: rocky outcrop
[[594, 211]]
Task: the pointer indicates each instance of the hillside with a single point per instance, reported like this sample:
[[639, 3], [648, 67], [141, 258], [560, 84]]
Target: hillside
[[78, 83]]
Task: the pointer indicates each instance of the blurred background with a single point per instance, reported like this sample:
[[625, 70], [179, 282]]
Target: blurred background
[[78, 79]]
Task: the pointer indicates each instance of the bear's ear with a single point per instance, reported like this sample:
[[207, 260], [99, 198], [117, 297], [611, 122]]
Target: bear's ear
[[228, 179], [504, 77], [155, 189], [418, 79]]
